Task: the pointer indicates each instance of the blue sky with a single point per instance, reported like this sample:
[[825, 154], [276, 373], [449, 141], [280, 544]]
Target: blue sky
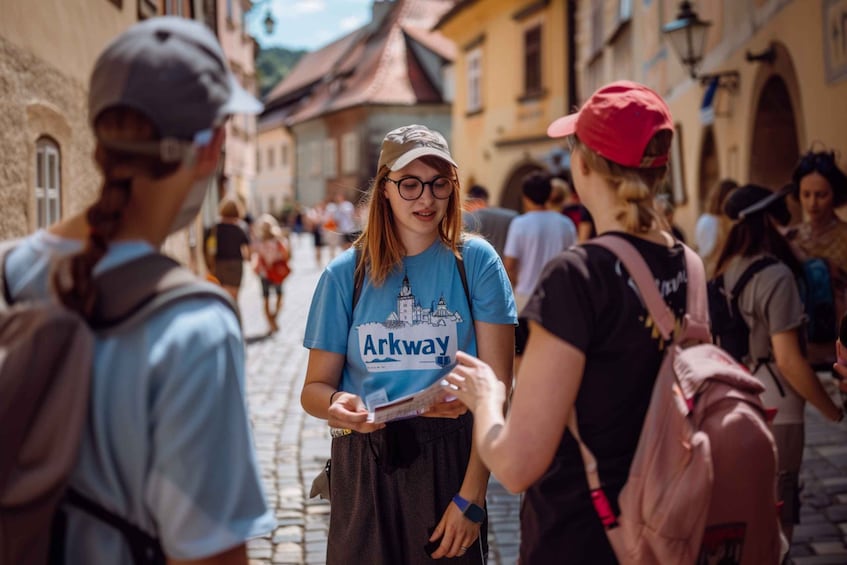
[[307, 24]]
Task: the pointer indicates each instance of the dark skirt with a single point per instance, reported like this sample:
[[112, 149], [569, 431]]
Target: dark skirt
[[390, 489], [229, 271]]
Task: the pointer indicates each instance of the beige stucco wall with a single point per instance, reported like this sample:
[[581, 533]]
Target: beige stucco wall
[[44, 68], [47, 51], [274, 182], [68, 33], [240, 158], [820, 111], [507, 133], [795, 27]]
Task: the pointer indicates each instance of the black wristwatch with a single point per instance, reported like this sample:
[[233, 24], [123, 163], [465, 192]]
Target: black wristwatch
[[473, 512]]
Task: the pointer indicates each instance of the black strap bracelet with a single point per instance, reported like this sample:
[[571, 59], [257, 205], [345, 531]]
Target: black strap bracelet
[[332, 396]]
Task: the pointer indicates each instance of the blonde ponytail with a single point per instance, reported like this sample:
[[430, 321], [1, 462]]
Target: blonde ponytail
[[635, 188]]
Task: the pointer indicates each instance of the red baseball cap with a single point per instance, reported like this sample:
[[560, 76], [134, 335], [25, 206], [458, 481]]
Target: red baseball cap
[[618, 122]]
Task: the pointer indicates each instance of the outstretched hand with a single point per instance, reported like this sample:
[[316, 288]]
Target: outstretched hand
[[474, 383], [448, 407], [348, 411]]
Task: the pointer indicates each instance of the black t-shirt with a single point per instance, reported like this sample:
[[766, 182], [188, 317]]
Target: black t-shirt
[[586, 297], [230, 238]]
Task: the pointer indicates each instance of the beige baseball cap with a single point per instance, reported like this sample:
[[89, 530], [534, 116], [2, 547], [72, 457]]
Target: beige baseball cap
[[403, 145]]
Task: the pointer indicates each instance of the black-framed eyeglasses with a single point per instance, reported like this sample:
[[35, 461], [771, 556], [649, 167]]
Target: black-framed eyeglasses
[[411, 188]]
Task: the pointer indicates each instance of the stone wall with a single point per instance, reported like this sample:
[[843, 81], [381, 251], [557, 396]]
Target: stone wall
[[37, 100]]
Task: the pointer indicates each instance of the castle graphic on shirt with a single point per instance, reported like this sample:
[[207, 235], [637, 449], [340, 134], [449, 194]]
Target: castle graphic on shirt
[[411, 337]]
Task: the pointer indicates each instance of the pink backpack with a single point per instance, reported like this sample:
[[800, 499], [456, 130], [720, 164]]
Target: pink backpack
[[702, 486]]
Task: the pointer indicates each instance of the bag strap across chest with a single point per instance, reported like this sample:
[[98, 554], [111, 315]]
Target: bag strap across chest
[[695, 326]]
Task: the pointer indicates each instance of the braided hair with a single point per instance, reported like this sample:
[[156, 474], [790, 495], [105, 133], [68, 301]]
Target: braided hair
[[73, 278], [636, 187]]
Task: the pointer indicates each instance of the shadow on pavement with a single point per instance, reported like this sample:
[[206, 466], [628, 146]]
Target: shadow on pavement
[[251, 339]]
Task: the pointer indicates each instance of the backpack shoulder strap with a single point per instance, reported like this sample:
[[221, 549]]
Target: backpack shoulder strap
[[359, 278], [748, 274], [131, 292], [696, 322], [6, 247], [144, 548], [460, 265]]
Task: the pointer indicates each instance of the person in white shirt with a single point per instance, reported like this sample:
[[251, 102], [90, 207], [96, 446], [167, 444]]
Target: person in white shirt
[[534, 237]]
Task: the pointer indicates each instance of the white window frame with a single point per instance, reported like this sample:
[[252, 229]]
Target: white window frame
[[474, 84], [349, 153], [302, 159], [538, 54], [315, 158], [48, 182], [330, 158], [173, 7]]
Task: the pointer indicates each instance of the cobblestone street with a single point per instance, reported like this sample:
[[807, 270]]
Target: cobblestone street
[[293, 446]]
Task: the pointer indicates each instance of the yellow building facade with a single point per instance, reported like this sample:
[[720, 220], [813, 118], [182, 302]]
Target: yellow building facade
[[510, 81], [770, 85]]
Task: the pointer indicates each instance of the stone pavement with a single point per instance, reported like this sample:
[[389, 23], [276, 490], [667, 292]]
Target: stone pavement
[[293, 446], [821, 536]]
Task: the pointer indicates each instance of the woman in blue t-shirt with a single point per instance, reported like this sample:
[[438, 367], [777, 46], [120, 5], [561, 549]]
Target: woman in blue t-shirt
[[386, 321]]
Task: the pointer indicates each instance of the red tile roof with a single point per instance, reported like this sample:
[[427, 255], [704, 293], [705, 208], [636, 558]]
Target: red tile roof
[[369, 66]]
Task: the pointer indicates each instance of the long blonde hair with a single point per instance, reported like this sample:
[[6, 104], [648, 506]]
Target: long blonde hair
[[636, 187], [382, 250]]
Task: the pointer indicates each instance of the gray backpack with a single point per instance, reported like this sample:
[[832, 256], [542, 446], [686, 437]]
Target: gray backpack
[[46, 355]]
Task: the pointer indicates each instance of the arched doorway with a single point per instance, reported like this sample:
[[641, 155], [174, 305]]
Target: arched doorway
[[709, 170], [510, 197], [774, 150]]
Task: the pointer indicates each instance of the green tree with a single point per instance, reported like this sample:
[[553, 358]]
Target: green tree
[[273, 65]]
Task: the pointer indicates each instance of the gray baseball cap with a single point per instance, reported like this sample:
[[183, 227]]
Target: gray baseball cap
[[403, 145], [173, 71]]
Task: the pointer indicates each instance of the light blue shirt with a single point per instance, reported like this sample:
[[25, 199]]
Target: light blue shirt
[[167, 441], [404, 335]]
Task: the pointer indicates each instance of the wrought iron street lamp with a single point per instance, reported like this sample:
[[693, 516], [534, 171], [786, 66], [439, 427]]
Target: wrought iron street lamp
[[687, 36], [268, 22]]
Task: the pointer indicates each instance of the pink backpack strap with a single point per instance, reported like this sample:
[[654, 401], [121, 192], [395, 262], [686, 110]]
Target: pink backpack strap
[[695, 326], [696, 322]]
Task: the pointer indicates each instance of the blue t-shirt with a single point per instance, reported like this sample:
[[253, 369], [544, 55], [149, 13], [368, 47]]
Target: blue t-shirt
[[404, 335], [167, 441]]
